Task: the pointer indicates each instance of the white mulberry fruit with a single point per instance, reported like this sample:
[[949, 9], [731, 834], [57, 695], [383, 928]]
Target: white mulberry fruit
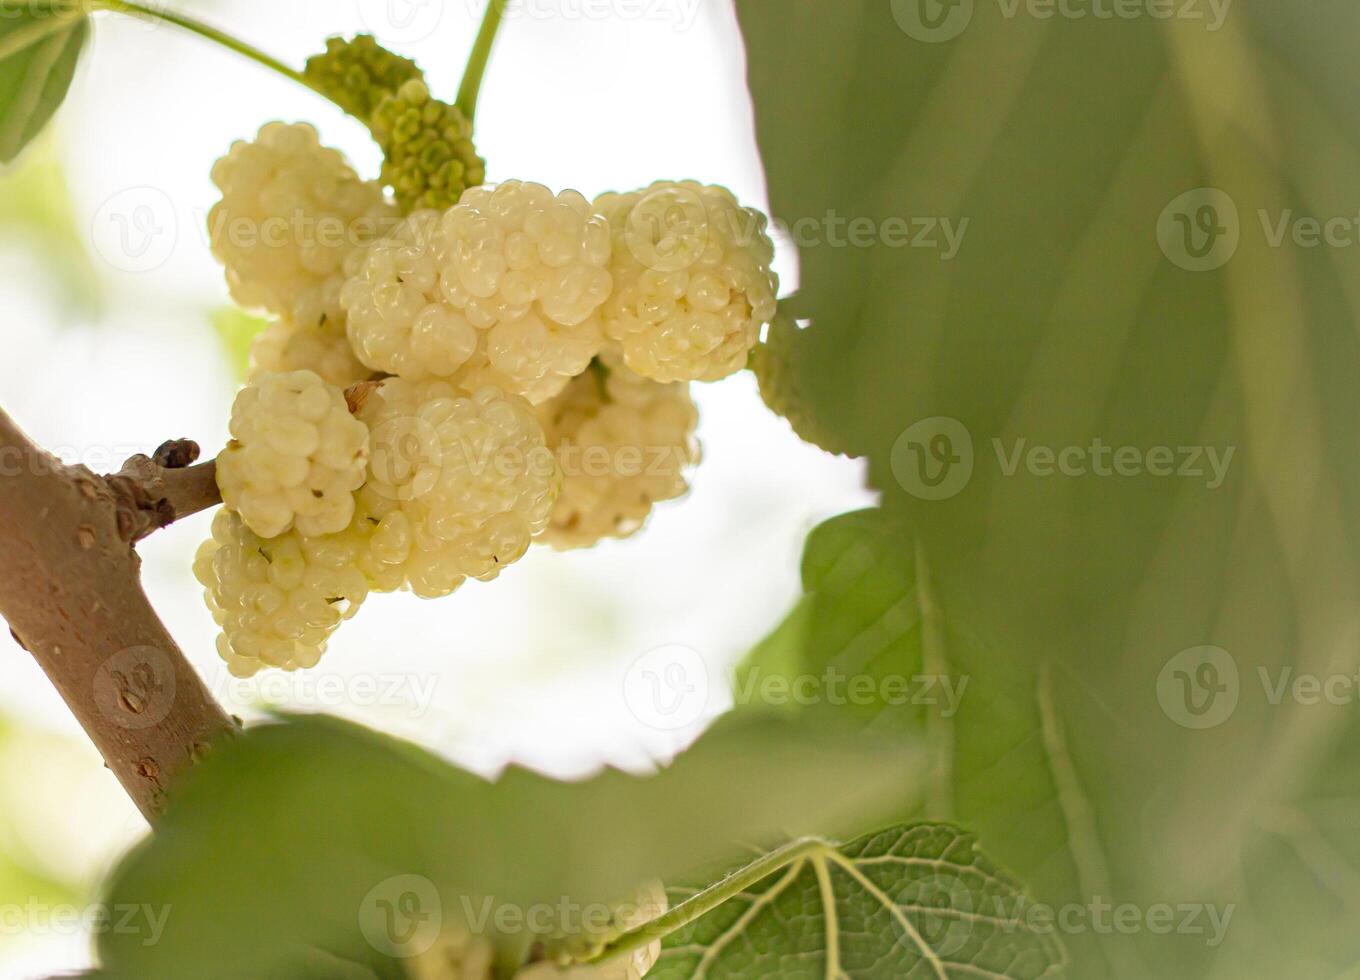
[[470, 472], [693, 283], [284, 346], [502, 289], [277, 600], [291, 211], [623, 443], [456, 955], [295, 458]]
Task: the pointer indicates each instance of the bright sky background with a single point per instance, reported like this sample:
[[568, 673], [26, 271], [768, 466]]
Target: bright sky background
[[551, 663]]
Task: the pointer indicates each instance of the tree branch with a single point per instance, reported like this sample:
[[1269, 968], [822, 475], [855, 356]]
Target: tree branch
[[70, 590], [152, 493]]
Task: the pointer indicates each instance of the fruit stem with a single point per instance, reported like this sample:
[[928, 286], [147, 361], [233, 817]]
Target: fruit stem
[[477, 61], [210, 33], [711, 897]]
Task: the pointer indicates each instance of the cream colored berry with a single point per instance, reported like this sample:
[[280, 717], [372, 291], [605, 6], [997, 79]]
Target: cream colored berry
[[470, 472], [624, 443], [693, 283], [291, 211], [456, 955], [295, 458], [502, 289], [284, 346], [277, 600]]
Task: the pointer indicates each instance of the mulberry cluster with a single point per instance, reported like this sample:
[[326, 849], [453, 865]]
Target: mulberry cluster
[[503, 289], [429, 159], [693, 283], [291, 212], [624, 443], [295, 458], [503, 364], [357, 74]]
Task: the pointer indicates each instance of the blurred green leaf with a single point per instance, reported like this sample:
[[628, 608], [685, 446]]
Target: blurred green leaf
[[282, 840], [39, 47], [35, 202], [237, 329], [22, 878], [1076, 309], [902, 902]]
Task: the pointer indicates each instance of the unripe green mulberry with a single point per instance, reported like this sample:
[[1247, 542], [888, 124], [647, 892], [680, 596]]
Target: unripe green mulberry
[[427, 146], [356, 74]]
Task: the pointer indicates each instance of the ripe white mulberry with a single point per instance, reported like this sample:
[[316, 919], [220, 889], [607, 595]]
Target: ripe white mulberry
[[624, 443], [693, 283], [291, 211], [456, 955], [469, 471], [284, 346], [279, 599], [295, 458], [502, 289]]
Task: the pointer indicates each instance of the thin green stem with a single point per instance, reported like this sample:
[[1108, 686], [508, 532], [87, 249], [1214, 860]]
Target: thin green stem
[[208, 32], [481, 55], [697, 906]]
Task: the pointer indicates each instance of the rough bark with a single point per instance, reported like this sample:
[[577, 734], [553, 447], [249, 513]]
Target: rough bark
[[70, 591]]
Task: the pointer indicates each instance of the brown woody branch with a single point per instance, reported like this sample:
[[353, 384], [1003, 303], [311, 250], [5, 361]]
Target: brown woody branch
[[154, 492], [71, 593]]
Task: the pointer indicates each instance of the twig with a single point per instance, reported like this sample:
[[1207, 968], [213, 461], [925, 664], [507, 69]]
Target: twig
[[152, 493]]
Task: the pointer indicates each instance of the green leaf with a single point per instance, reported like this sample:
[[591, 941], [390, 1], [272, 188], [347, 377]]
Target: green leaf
[[237, 330], [287, 835], [1068, 143], [39, 48], [35, 202], [918, 901], [870, 612]]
